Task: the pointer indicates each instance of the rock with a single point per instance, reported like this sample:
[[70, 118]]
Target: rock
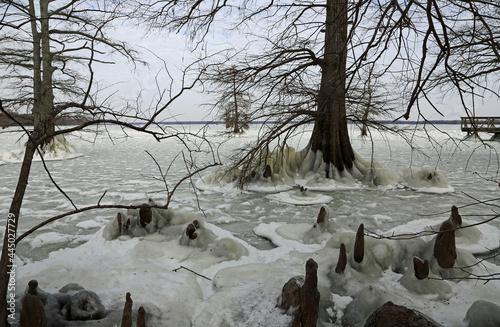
[[322, 217], [268, 172], [290, 295], [127, 312], [421, 268], [309, 296], [391, 315], [444, 248], [85, 305], [145, 215], [483, 314], [141, 317], [342, 262], [364, 303], [33, 312], [359, 244]]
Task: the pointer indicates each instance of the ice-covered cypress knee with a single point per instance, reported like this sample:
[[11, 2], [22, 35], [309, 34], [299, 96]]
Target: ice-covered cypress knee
[[309, 296], [359, 244], [127, 312], [455, 217], [342, 262], [191, 232], [421, 268], [145, 215], [322, 216], [119, 221], [267, 172], [141, 317], [444, 249], [33, 312]]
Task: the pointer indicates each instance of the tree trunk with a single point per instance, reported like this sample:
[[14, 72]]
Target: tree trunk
[[37, 65], [330, 134], [236, 116], [11, 229], [41, 48], [364, 119]]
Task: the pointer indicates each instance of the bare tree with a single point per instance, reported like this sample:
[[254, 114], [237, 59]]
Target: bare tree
[[235, 112], [368, 100], [45, 47], [302, 57], [233, 103]]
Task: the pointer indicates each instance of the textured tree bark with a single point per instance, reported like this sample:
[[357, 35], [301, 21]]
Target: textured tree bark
[[42, 70], [330, 134], [15, 208]]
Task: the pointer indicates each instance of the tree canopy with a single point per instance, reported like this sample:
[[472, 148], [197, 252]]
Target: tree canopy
[[303, 61]]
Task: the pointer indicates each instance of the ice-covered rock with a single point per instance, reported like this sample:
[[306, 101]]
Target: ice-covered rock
[[229, 249], [71, 306], [85, 305], [301, 197], [364, 303], [483, 314], [426, 179], [392, 315], [378, 176]]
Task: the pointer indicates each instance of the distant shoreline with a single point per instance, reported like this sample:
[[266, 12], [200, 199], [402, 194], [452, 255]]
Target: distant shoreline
[[385, 122], [27, 120]]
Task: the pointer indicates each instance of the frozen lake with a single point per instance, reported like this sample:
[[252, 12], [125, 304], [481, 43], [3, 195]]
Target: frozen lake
[[118, 164]]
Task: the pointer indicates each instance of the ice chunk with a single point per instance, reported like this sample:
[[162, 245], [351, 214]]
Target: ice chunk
[[426, 179], [483, 314]]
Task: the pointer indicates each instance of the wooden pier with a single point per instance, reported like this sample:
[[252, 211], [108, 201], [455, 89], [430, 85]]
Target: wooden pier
[[474, 125]]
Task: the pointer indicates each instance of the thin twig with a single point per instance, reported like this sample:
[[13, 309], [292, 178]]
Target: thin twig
[[194, 272]]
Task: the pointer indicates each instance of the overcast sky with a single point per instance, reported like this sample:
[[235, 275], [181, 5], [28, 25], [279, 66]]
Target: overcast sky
[[175, 50]]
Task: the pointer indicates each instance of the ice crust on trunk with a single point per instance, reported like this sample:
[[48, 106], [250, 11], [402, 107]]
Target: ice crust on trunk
[[58, 149]]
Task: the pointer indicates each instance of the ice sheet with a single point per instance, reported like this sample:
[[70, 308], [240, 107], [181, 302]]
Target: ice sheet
[[243, 291]]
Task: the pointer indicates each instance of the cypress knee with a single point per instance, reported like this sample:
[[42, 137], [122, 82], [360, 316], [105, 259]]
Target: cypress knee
[[421, 268], [444, 249], [359, 244], [321, 216], [342, 263], [33, 312], [127, 312], [309, 296], [145, 215], [141, 317]]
